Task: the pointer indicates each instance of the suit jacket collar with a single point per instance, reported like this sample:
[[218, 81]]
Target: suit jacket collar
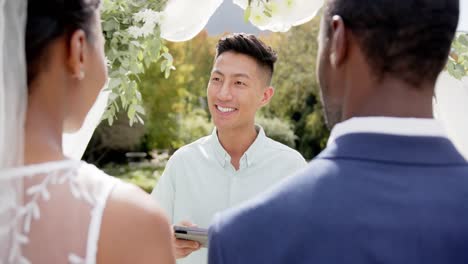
[[416, 150], [393, 140], [390, 126]]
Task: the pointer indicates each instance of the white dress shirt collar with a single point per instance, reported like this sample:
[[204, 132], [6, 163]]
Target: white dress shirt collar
[[249, 156], [390, 126]]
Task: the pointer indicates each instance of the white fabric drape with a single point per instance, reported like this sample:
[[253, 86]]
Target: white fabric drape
[[184, 19], [74, 144], [13, 86], [13, 101], [451, 108], [463, 23], [451, 98]]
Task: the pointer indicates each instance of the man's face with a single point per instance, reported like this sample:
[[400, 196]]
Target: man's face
[[328, 80], [237, 89]]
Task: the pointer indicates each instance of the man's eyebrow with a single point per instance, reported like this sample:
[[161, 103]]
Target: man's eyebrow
[[245, 75], [217, 72], [242, 75]]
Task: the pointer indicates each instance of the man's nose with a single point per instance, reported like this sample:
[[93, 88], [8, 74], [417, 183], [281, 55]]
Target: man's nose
[[225, 93]]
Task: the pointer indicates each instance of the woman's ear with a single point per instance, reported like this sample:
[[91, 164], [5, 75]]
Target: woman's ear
[[76, 56]]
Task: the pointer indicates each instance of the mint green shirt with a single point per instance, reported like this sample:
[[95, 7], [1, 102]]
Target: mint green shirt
[[199, 179]]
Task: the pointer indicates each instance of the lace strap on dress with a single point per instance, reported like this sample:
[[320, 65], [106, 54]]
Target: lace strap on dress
[[101, 195]]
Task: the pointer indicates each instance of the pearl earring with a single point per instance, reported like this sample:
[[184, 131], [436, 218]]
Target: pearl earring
[[333, 59], [81, 75]]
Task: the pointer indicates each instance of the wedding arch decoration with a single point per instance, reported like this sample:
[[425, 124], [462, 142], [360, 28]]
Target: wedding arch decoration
[[279, 16], [136, 31]]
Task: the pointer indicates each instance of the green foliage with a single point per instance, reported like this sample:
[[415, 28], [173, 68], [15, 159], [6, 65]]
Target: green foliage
[[160, 97], [171, 102], [176, 110], [112, 142], [128, 55], [457, 64], [296, 98], [278, 129], [143, 176], [192, 127], [294, 77]]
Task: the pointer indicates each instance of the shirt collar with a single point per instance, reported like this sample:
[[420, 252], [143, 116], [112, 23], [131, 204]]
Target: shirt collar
[[249, 156], [253, 152], [389, 125]]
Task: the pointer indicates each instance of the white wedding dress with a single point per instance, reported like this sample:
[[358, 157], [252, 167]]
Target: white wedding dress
[[49, 212], [58, 217]]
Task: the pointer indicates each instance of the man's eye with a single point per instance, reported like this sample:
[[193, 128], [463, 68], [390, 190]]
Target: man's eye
[[216, 79], [240, 83]]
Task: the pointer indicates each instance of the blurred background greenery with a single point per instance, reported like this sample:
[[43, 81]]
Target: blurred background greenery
[[177, 113]]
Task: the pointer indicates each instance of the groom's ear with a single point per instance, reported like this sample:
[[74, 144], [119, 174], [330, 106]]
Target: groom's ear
[[77, 45]]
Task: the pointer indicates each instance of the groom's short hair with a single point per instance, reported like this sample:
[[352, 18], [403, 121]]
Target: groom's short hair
[[407, 39], [251, 46]]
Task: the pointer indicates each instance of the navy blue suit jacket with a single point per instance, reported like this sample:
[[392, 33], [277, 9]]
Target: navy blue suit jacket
[[367, 198]]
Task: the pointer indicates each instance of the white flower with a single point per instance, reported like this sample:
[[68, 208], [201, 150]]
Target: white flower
[[149, 18], [147, 29], [284, 13], [184, 19], [258, 17], [135, 32]]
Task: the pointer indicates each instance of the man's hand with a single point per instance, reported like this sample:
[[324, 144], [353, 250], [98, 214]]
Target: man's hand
[[182, 247]]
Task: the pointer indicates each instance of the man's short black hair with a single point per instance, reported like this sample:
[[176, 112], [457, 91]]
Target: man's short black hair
[[408, 39], [251, 46]]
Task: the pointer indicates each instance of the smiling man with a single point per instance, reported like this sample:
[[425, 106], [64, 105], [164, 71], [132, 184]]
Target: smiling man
[[237, 161]]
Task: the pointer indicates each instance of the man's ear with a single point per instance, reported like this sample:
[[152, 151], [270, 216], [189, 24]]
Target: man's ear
[[267, 95], [339, 42], [76, 55]]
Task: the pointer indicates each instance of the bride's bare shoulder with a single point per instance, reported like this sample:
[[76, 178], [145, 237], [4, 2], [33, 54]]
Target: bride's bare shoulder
[[134, 229]]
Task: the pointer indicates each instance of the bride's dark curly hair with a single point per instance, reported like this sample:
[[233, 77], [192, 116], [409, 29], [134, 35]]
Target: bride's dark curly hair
[[48, 20]]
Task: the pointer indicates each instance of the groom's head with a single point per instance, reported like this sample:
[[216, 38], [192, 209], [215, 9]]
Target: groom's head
[[366, 42]]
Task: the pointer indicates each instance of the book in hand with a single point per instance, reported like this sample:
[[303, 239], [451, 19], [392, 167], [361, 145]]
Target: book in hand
[[197, 234]]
